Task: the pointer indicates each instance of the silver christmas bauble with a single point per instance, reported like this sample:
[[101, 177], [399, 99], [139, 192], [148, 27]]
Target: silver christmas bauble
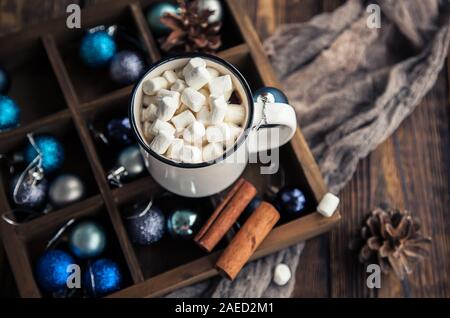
[[213, 5], [66, 189], [131, 159], [87, 239]]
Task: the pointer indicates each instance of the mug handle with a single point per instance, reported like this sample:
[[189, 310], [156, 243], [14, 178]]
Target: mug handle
[[273, 125]]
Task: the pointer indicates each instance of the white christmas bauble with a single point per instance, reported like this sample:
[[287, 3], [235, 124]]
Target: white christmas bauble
[[282, 274], [213, 5]]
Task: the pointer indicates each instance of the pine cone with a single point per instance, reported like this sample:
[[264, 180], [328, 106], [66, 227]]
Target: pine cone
[[392, 239], [190, 29]]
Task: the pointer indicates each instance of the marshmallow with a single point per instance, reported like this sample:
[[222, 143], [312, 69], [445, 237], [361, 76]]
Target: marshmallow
[[328, 205], [235, 131], [212, 151], [183, 120], [174, 150], [204, 115], [194, 133], [191, 154], [150, 113], [221, 85], [181, 109], [193, 99], [166, 93], [193, 63], [218, 109], [148, 132], [159, 126], [161, 142], [205, 93], [235, 114], [153, 85], [213, 73], [170, 76], [178, 86], [219, 133], [197, 78], [147, 100], [167, 108], [282, 274]]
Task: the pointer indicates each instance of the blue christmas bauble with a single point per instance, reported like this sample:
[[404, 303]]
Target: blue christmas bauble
[[126, 67], [87, 239], [290, 201], [51, 150], [9, 113], [5, 81], [27, 194], [183, 223], [102, 277], [145, 225], [155, 13], [51, 270], [119, 130], [97, 49], [274, 95]]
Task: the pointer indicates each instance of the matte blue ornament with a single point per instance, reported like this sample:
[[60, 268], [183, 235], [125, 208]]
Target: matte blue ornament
[[126, 67], [290, 201], [51, 150], [102, 277], [27, 194], [9, 113], [97, 48], [51, 270], [5, 81], [87, 239], [155, 13], [274, 95], [119, 130], [183, 223]]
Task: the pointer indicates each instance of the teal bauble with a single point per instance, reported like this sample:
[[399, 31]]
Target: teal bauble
[[9, 113], [51, 150], [154, 15], [273, 95], [97, 49], [183, 223], [87, 239]]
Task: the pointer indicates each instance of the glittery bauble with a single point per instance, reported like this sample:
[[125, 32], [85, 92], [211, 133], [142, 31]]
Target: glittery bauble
[[156, 12], [102, 277], [87, 239], [145, 225], [119, 130], [9, 113], [5, 81], [51, 270], [131, 159], [273, 94], [290, 201], [66, 189], [183, 223], [126, 67], [97, 49], [29, 195], [51, 150], [212, 5]]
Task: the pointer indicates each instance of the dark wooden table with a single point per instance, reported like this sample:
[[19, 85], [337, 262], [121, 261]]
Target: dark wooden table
[[409, 170]]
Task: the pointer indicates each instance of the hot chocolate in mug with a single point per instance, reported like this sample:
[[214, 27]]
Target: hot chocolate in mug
[[263, 120]]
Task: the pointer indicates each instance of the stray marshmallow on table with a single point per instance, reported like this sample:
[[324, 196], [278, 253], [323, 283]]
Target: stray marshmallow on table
[[328, 205]]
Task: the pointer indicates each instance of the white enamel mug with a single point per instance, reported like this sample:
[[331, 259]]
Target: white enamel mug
[[262, 122]]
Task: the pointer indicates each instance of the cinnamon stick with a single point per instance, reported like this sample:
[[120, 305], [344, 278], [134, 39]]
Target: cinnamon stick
[[225, 215], [247, 240]]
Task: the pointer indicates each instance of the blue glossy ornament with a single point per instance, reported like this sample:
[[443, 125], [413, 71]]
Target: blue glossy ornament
[[155, 13], [87, 239], [146, 224], [51, 270], [183, 223], [273, 94], [5, 81], [119, 130], [51, 150], [29, 195], [102, 277], [126, 67], [97, 49], [9, 113], [290, 201]]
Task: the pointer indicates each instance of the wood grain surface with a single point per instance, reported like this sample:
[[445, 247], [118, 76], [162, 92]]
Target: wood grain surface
[[410, 170]]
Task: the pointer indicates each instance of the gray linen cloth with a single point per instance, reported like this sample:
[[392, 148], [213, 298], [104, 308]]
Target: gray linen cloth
[[351, 86]]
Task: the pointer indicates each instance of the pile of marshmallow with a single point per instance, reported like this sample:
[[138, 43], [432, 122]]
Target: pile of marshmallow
[[186, 115]]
